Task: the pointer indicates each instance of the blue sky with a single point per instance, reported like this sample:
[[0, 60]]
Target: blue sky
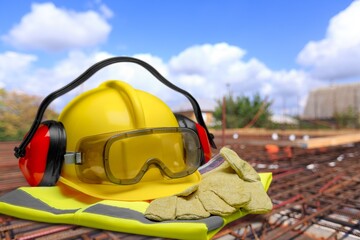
[[280, 49]]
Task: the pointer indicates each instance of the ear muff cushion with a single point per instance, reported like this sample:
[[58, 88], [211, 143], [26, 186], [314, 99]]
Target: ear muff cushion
[[56, 152]]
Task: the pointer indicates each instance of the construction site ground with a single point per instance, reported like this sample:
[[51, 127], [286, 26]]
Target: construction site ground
[[315, 188]]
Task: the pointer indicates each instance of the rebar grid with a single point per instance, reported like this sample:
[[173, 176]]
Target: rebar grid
[[315, 195]]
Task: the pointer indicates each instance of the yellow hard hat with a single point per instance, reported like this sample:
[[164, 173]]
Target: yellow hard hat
[[116, 142], [126, 144]]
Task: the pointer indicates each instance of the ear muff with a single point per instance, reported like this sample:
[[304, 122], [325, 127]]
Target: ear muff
[[201, 133], [41, 153], [42, 162]]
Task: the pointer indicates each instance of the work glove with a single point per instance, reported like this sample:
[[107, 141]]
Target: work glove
[[222, 191], [259, 200]]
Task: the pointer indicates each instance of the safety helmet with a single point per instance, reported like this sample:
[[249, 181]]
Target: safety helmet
[[116, 142], [109, 110]]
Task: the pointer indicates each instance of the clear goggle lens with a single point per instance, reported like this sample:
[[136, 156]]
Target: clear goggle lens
[[124, 158]]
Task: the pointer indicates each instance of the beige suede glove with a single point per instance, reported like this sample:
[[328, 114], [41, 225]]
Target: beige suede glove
[[260, 202], [222, 191]]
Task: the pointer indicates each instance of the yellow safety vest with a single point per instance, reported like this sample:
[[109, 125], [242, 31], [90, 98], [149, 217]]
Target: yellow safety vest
[[59, 204]]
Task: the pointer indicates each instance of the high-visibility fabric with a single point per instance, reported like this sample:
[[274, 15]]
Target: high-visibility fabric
[[59, 204]]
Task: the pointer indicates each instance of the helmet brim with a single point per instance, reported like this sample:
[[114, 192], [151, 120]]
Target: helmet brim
[[141, 191]]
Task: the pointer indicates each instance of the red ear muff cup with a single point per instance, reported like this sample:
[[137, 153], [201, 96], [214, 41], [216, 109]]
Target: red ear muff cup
[[44, 155]]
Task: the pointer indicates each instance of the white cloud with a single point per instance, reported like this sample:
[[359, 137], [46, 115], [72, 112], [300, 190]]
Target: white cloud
[[204, 58], [206, 71], [192, 80], [50, 28], [106, 11], [337, 56], [20, 76], [12, 68], [214, 66]]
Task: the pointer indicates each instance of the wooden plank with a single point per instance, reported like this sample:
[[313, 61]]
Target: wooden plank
[[328, 141], [286, 132], [312, 143]]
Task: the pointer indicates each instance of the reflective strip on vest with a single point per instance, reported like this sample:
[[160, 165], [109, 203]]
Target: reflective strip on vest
[[212, 222], [21, 198], [24, 199]]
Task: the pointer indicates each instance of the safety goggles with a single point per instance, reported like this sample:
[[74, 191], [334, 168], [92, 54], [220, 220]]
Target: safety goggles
[[124, 158]]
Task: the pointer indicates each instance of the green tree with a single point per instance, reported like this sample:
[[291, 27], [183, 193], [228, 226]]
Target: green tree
[[17, 112], [349, 118], [243, 111]]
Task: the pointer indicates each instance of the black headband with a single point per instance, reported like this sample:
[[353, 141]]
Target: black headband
[[20, 151]]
